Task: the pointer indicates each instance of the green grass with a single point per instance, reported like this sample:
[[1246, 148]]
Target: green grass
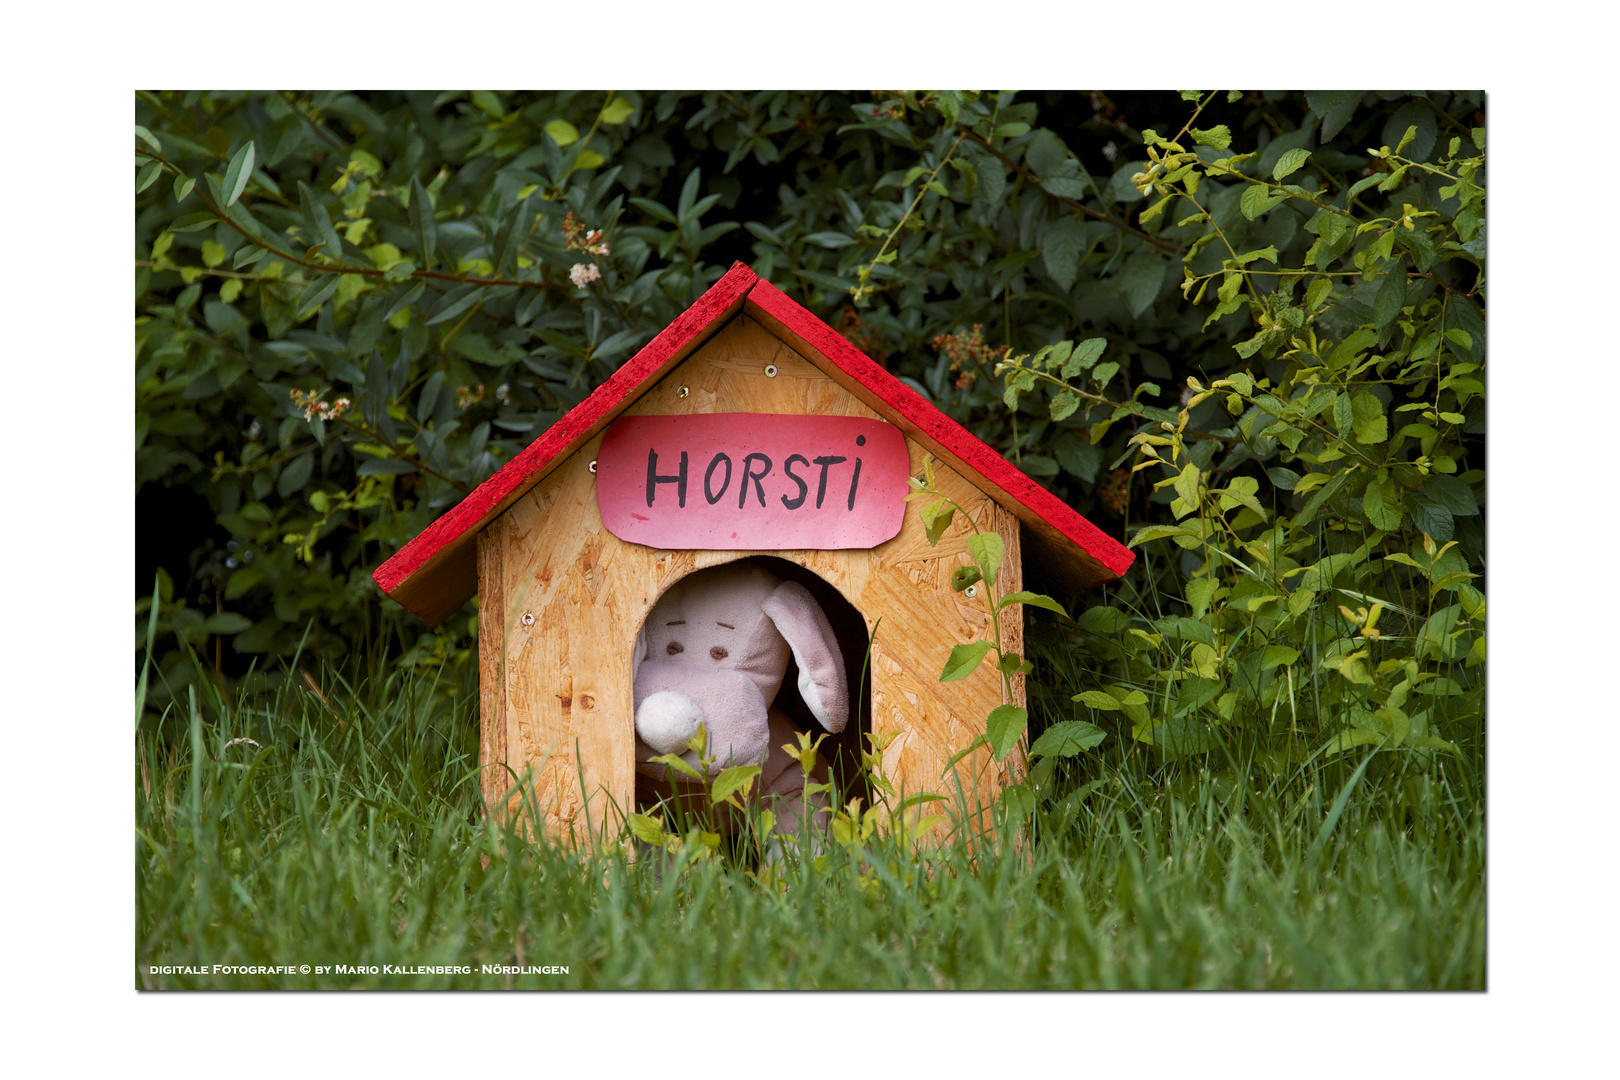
[[352, 833]]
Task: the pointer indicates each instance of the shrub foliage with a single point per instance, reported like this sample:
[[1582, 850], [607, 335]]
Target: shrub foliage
[[1244, 330]]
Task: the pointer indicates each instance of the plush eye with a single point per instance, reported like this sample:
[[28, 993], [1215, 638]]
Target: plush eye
[[675, 647], [718, 653]]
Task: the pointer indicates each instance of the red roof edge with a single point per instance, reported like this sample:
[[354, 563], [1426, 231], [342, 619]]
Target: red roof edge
[[403, 577], [1029, 500], [436, 572]]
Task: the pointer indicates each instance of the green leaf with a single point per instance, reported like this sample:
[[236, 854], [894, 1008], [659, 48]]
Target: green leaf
[[562, 132], [1335, 107], [454, 303], [237, 174], [1030, 599], [1085, 354], [1141, 281], [1344, 415], [201, 219], [1349, 351], [1103, 620], [963, 576], [617, 111], [1451, 493], [1291, 162], [678, 763], [406, 300], [318, 220], [226, 622], [1242, 491], [295, 475], [316, 293], [1064, 405], [149, 139], [1268, 253], [737, 777], [1319, 290], [243, 579], [1200, 591], [1061, 247], [422, 222], [1391, 295], [1278, 655], [1067, 738], [148, 175], [1349, 739], [1005, 726], [1197, 692], [964, 660], [1432, 518], [1257, 199], [1381, 504], [1098, 700], [1367, 418], [648, 830], [987, 549], [1159, 532], [1219, 136], [1318, 500], [936, 518], [1186, 484], [1414, 124]]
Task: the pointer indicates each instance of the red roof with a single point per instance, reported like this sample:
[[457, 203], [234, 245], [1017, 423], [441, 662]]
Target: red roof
[[437, 572]]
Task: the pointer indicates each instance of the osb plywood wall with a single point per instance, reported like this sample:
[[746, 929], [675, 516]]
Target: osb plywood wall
[[561, 601]]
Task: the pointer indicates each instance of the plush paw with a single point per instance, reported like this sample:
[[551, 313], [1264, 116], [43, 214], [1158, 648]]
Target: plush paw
[[666, 720]]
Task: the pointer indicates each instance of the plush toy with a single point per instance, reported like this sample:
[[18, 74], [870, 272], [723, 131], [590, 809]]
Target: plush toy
[[714, 650]]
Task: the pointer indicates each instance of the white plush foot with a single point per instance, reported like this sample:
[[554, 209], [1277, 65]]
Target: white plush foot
[[666, 720]]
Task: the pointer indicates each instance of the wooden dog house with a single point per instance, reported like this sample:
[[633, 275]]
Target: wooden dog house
[[562, 598]]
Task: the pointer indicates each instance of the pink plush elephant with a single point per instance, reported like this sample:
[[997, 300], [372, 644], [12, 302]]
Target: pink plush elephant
[[714, 650]]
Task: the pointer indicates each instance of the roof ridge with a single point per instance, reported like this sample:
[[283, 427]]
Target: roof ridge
[[436, 571]]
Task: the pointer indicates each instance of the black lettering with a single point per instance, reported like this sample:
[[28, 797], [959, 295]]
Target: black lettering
[[804, 489], [709, 492], [653, 479], [853, 481], [821, 488], [749, 474]]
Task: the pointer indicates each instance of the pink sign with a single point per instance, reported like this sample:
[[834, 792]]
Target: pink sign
[[725, 481]]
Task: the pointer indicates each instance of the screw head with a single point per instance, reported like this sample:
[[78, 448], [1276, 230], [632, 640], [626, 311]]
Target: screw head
[[683, 391], [593, 466], [770, 371], [971, 591], [528, 618]]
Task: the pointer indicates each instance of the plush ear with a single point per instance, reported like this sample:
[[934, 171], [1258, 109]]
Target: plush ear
[[821, 666]]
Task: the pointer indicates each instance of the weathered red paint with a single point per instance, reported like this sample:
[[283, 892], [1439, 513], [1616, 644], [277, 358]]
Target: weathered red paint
[[436, 572], [752, 481]]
